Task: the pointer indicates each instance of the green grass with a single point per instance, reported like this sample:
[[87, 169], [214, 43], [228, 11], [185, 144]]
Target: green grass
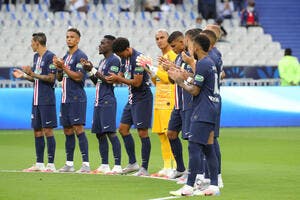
[[258, 163]]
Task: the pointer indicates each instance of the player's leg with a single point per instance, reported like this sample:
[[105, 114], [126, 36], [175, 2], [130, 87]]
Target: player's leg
[[78, 116], [108, 124], [160, 126], [116, 147], [126, 122], [142, 115], [49, 122], [206, 137], [102, 142], [36, 124], [70, 138], [218, 154]]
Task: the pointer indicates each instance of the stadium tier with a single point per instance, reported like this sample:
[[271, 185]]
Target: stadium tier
[[242, 47]]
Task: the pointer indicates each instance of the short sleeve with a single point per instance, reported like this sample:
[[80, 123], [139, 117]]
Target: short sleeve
[[200, 74]]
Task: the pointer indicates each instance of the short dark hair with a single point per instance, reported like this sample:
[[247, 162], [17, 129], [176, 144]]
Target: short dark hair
[[210, 34], [120, 44], [110, 37], [40, 38], [288, 52], [75, 30], [174, 35], [203, 41], [193, 32]]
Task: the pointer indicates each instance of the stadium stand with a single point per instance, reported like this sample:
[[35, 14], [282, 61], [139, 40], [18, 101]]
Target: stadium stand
[[281, 20], [244, 47]]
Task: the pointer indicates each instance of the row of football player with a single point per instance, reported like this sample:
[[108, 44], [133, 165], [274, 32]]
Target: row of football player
[[192, 111]]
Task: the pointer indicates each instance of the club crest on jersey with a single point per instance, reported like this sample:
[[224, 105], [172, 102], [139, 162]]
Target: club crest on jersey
[[199, 78], [71, 61]]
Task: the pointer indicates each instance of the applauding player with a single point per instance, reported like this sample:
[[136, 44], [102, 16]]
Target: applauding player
[[43, 116], [104, 120], [138, 110], [73, 101]]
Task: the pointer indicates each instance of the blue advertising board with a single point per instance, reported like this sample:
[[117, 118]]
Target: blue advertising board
[[241, 107]]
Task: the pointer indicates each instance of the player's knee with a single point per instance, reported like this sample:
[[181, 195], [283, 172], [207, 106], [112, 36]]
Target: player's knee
[[48, 132], [172, 135], [143, 133]]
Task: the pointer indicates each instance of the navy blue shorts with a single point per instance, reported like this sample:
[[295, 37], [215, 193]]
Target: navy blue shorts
[[138, 114], [200, 132], [72, 114], [104, 119], [43, 116], [180, 121]]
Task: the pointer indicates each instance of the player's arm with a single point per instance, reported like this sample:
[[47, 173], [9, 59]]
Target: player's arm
[[75, 75], [17, 73], [187, 85], [47, 78], [135, 82], [189, 60]]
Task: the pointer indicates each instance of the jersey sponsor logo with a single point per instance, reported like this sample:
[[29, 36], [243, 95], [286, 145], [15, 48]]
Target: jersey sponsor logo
[[49, 122], [127, 75], [199, 78], [114, 68], [139, 123], [139, 69], [38, 71], [105, 127], [77, 119]]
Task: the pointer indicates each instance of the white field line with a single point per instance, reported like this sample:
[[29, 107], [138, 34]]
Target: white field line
[[170, 197]]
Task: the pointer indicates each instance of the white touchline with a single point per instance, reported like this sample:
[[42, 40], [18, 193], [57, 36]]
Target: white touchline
[[170, 197]]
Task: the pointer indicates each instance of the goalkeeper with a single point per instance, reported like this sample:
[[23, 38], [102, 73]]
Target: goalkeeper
[[164, 100]]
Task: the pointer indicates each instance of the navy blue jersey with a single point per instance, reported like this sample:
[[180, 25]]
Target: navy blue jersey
[[105, 91], [206, 102], [183, 99], [129, 69], [216, 56], [43, 93], [73, 91]]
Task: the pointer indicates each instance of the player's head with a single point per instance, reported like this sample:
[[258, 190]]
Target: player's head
[[105, 45], [73, 37], [189, 36], [216, 29], [161, 38], [211, 36], [176, 41], [288, 52], [201, 45], [121, 47], [38, 39]]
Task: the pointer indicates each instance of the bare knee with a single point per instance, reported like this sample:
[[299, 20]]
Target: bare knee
[[143, 132], [124, 129], [172, 135]]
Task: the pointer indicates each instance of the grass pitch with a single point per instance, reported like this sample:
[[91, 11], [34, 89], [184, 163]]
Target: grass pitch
[[258, 163]]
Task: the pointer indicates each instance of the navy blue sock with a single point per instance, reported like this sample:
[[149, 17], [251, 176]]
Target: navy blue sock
[[205, 166], [70, 147], [103, 147], [39, 149], [201, 164], [146, 149], [195, 151], [218, 154], [130, 148], [116, 146], [51, 144], [84, 146], [177, 152], [212, 162]]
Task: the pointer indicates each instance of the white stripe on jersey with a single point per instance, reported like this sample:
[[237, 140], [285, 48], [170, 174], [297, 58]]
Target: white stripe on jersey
[[36, 84], [64, 81]]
